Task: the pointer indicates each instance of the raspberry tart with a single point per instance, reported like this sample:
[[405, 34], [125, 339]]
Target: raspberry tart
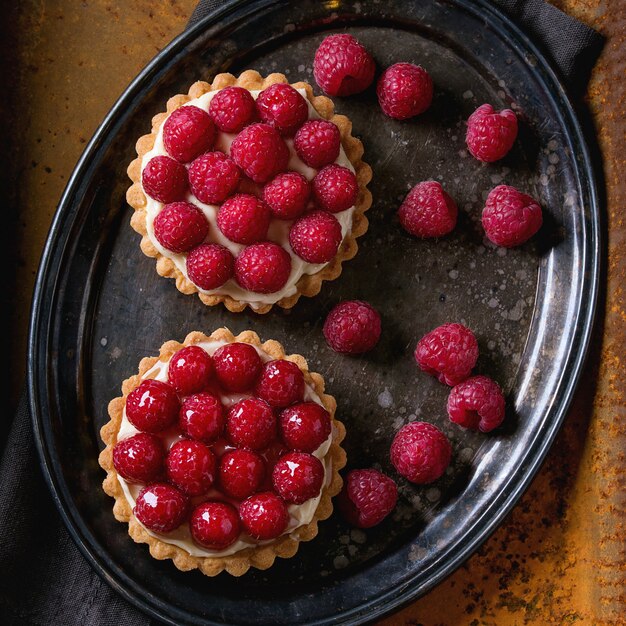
[[223, 453], [249, 191]]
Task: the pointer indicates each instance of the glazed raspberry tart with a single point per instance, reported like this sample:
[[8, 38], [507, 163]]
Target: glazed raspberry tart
[[249, 191]]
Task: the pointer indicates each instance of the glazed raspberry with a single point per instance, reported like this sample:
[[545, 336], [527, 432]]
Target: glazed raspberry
[[317, 143], [213, 177], [287, 195], [164, 179], [191, 467], [335, 188], [282, 107], [251, 424], [241, 473], [510, 217], [260, 152], [180, 226], [153, 406], [237, 366], [298, 477], [201, 417], [305, 426], [215, 525], [420, 452], [342, 66], [244, 218], [352, 327], [264, 516], [448, 352], [404, 90], [316, 237], [210, 265], [367, 497], [281, 383], [188, 132], [263, 267], [232, 108], [477, 403], [490, 134], [139, 459], [428, 211], [161, 508], [189, 370]]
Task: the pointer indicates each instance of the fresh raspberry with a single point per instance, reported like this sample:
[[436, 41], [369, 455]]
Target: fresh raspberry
[[191, 467], [305, 426], [180, 226], [188, 132], [287, 195], [210, 265], [367, 497], [281, 383], [352, 327], [215, 525], [335, 188], [213, 177], [448, 352], [404, 90], [164, 179], [251, 424], [428, 211], [241, 473], [189, 370], [264, 516], [237, 366], [477, 403], [298, 477], [201, 417], [316, 237], [317, 143], [510, 217], [263, 267], [343, 66], [282, 107], [161, 508], [490, 134], [139, 459], [260, 152], [232, 108], [244, 218], [153, 406]]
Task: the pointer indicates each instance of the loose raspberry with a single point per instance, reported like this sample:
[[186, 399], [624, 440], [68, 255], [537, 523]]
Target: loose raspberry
[[316, 237], [232, 108], [251, 424], [201, 417], [164, 179], [264, 516], [241, 473], [298, 477], [244, 219], [180, 226], [490, 134], [352, 327], [215, 525], [153, 406], [367, 497], [189, 370], [161, 508], [317, 143], [237, 366], [260, 152], [281, 383], [404, 90], [448, 352], [191, 467], [335, 188], [477, 403], [210, 265], [213, 177], [342, 66], [287, 195], [305, 426], [421, 452], [188, 132], [263, 267], [139, 459], [428, 211], [510, 217], [282, 107]]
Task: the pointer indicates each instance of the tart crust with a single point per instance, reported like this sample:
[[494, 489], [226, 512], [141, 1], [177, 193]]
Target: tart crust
[[308, 284], [262, 556]]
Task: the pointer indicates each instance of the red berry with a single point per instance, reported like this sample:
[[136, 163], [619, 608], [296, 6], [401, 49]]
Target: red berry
[[264, 516], [215, 525], [335, 188], [161, 508], [191, 467], [232, 108], [298, 477], [213, 177], [287, 195], [368, 496], [188, 132], [305, 426], [263, 267], [342, 66], [281, 383], [251, 424], [210, 265], [237, 366], [316, 237], [260, 152], [428, 211], [190, 370], [282, 107], [420, 452], [352, 327], [180, 226], [404, 90], [153, 406], [448, 352], [164, 179], [201, 417], [490, 134], [477, 403], [510, 217], [241, 473], [244, 218], [139, 459], [317, 143]]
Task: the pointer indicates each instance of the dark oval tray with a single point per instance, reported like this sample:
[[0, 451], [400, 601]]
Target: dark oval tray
[[99, 306]]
